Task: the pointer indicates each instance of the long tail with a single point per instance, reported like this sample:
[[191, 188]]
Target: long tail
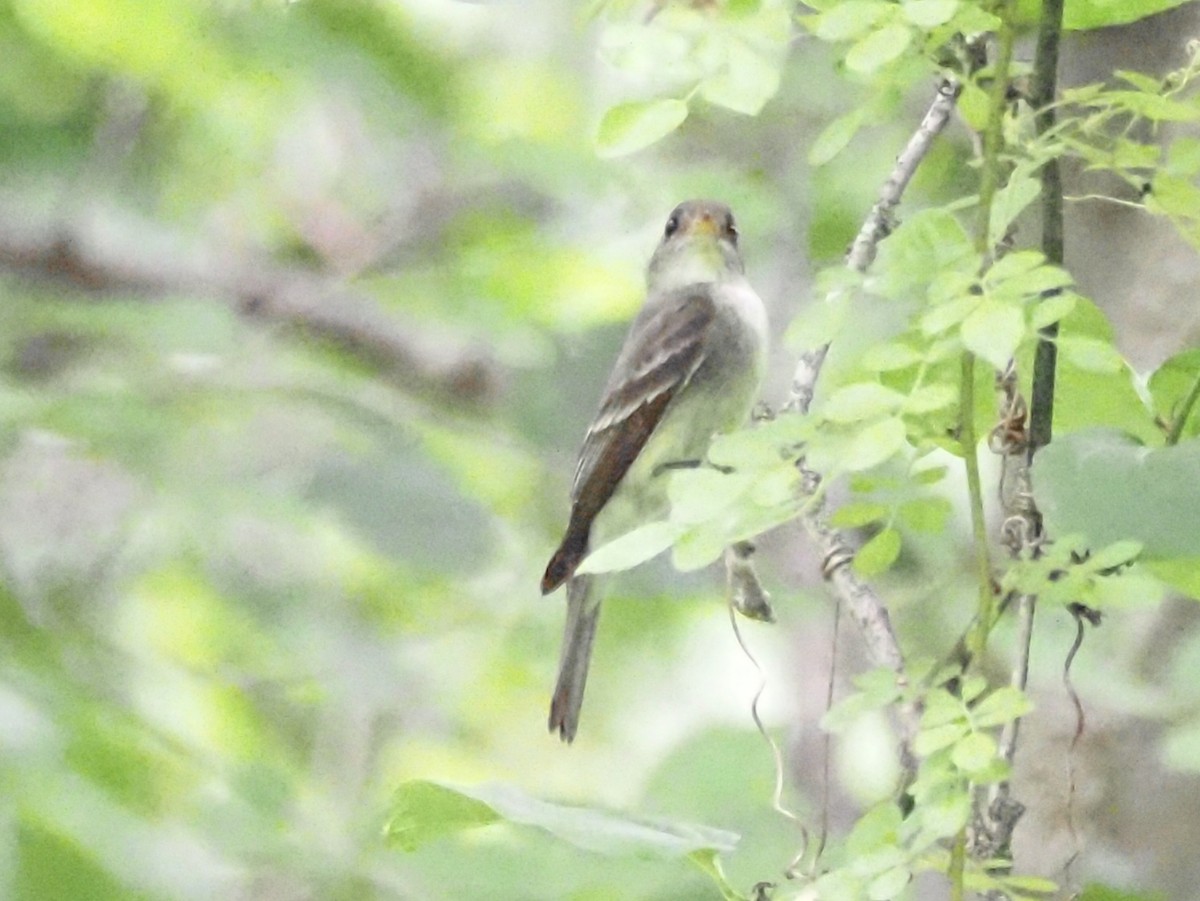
[[583, 612]]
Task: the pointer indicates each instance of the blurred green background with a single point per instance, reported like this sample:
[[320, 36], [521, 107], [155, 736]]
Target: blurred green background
[[303, 310]]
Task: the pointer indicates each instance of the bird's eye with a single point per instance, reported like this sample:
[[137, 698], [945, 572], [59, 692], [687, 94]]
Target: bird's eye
[[672, 225], [731, 229]]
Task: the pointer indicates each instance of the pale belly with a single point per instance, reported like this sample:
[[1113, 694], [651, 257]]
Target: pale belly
[[716, 400]]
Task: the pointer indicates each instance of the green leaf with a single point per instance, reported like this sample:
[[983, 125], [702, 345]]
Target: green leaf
[[889, 357], [928, 14], [1181, 573], [1028, 885], [974, 753], [878, 554], [835, 136], [749, 78], [1010, 202], [698, 495], [763, 446], [930, 241], [930, 476], [710, 864], [1003, 705], [1013, 265], [875, 829], [948, 314], [1086, 399], [849, 19], [993, 331], [865, 448], [1101, 484], [629, 127], [929, 741], [1091, 354], [928, 398], [889, 884], [1096, 892], [632, 548], [946, 815], [879, 48], [423, 810], [1051, 309], [839, 885], [973, 105], [1119, 553], [1084, 15], [1173, 382], [1183, 158], [861, 401], [859, 513], [941, 706], [926, 514]]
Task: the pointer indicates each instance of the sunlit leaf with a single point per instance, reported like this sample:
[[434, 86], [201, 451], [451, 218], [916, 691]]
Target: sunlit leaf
[[879, 553], [993, 331], [631, 548], [424, 810], [879, 48], [629, 127]]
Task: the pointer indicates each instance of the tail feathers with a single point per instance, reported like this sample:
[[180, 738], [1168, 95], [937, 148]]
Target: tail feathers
[[568, 556], [582, 615]]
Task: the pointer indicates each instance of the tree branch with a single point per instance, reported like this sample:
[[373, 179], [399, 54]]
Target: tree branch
[[132, 257], [866, 608]]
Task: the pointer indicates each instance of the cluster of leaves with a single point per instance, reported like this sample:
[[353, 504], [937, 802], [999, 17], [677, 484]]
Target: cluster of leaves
[[732, 58], [958, 756]]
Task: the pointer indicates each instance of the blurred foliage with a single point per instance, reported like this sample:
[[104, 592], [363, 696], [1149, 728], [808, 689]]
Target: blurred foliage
[[261, 611]]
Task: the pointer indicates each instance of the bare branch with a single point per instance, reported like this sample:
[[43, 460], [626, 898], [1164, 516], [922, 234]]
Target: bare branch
[[866, 608], [880, 223], [132, 257]]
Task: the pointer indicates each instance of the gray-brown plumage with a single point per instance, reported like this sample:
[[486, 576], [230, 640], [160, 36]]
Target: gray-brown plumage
[[690, 368]]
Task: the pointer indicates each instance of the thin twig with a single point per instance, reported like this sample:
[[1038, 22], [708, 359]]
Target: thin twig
[[776, 754], [879, 223], [1081, 615]]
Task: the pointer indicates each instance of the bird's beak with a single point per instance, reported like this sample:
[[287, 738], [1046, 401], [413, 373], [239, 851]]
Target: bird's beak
[[705, 225]]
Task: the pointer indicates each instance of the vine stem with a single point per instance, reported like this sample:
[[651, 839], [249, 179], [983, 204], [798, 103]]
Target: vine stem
[[989, 184], [977, 643]]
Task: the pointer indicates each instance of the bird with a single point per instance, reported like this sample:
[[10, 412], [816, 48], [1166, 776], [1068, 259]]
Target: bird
[[691, 367]]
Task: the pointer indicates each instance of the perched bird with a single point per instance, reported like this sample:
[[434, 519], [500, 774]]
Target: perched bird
[[690, 368]]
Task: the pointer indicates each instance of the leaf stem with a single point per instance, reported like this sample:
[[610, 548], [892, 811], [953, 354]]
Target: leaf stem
[[993, 135], [977, 641], [989, 184], [958, 860], [1185, 411]]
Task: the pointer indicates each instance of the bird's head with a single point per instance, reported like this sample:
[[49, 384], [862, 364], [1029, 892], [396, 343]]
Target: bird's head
[[699, 244]]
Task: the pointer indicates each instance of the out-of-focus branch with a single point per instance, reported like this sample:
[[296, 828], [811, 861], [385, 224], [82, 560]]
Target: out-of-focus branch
[[866, 608], [136, 258]]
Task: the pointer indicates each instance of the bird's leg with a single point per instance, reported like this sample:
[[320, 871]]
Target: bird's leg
[[671, 465]]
